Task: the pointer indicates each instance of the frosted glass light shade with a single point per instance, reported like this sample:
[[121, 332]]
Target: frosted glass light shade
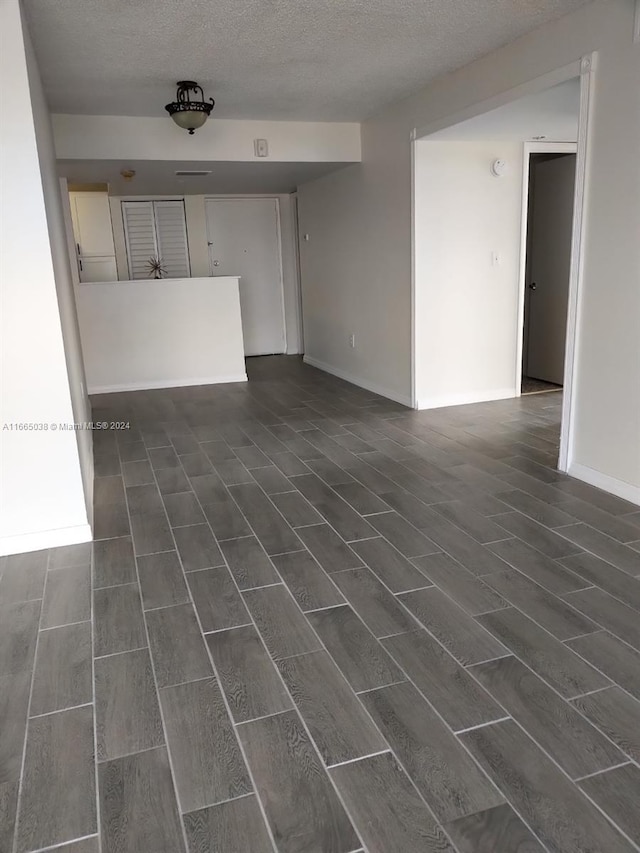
[[189, 119]]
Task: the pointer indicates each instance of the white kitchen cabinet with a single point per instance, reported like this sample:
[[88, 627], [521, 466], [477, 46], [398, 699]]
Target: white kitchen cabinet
[[92, 227], [93, 236], [97, 269]]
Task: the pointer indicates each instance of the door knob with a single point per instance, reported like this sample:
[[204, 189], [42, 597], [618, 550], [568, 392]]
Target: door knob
[[533, 286], [216, 263]]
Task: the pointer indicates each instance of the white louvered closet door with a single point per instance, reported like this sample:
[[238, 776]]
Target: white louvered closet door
[[140, 236], [171, 236], [156, 229]]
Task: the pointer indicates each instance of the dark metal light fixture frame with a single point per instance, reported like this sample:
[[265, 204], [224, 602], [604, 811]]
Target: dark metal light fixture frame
[[189, 113]]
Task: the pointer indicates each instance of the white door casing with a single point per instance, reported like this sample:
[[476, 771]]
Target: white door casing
[[244, 240]]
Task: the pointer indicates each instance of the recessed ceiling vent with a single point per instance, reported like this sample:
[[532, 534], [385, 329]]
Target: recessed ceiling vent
[[193, 173]]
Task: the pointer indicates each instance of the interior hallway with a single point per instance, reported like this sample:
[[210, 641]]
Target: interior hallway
[[313, 620]]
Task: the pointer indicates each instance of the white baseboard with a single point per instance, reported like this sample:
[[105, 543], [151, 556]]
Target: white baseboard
[[41, 539], [354, 380], [619, 488], [166, 383], [465, 399]]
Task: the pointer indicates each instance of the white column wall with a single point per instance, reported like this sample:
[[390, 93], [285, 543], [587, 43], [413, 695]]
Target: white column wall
[[42, 498]]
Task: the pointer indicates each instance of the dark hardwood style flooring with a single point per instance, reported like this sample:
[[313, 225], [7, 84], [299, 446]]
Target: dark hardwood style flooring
[[314, 621]]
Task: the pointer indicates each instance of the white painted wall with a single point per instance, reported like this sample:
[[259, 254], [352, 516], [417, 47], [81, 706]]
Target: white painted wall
[[344, 294], [42, 498], [137, 138], [466, 304], [357, 268], [552, 113], [606, 433], [199, 251], [161, 334], [65, 270], [73, 347]]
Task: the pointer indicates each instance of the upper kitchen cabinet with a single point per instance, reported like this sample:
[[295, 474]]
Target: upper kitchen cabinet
[[93, 235], [91, 218]]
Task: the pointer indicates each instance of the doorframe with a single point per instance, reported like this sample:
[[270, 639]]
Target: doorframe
[[576, 270], [296, 239], [530, 148], [585, 69], [253, 197]]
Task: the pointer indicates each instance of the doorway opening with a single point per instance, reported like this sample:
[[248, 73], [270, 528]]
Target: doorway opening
[[548, 206], [471, 174]]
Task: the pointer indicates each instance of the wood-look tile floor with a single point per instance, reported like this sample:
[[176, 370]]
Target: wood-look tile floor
[[314, 621]]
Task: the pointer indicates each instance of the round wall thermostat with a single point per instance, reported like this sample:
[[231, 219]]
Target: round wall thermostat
[[498, 168]]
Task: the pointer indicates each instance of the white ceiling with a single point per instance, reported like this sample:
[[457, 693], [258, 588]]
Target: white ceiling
[[157, 177], [330, 60], [552, 114]]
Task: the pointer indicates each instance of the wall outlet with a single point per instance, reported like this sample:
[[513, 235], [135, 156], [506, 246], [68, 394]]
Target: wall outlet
[[352, 341], [495, 258]]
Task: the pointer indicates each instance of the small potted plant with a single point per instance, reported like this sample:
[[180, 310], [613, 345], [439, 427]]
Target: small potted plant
[[155, 267]]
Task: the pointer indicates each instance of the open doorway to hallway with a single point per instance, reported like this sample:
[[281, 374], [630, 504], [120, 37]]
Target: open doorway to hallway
[[478, 268], [549, 211]]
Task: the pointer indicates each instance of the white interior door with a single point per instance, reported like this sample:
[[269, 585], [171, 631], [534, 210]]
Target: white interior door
[[244, 240], [549, 265]]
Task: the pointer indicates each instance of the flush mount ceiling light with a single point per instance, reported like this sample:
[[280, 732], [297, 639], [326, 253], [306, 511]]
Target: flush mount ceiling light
[[188, 113]]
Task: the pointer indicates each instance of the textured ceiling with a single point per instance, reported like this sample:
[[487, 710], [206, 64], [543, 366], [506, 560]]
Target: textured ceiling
[[330, 60], [157, 177], [552, 114]]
